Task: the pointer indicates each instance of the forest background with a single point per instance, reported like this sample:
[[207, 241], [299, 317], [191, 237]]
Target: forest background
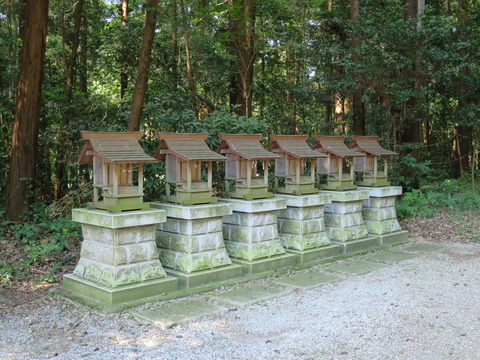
[[405, 70]]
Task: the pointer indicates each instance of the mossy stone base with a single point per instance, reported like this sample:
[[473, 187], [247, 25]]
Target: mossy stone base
[[343, 216], [324, 252], [356, 246], [301, 225], [334, 183], [254, 251], [99, 295], [118, 249], [189, 241], [393, 238], [266, 264], [251, 232], [204, 277], [379, 212]]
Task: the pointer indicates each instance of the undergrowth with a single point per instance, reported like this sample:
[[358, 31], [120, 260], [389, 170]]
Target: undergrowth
[[45, 240], [457, 195]]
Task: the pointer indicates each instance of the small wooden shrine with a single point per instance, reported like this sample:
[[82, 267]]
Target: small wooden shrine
[[188, 162], [296, 155], [368, 165], [114, 155], [339, 158], [244, 153]]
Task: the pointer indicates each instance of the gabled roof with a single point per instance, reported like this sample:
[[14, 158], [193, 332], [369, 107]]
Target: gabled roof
[[246, 146], [334, 145], [188, 147], [295, 146], [113, 147], [370, 145]]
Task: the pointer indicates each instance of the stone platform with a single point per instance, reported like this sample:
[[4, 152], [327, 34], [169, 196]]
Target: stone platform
[[380, 217], [301, 227], [344, 221], [119, 258], [251, 235], [191, 246]]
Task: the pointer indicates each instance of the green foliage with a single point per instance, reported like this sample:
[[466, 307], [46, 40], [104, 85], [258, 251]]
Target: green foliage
[[6, 273], [44, 238], [413, 203], [410, 173], [456, 195]]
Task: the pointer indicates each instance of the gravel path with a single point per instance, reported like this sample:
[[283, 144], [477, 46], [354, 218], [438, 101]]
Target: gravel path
[[425, 308]]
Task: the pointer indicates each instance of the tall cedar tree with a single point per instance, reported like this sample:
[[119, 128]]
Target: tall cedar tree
[[27, 111]]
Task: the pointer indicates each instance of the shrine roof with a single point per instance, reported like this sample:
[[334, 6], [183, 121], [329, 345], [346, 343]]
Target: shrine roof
[[113, 147], [188, 147], [294, 145], [334, 145], [370, 145], [246, 146]]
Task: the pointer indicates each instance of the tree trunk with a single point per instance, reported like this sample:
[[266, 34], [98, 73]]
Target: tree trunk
[[27, 111], [124, 73], [84, 57], [358, 108], [464, 132], [143, 66], [188, 57], [412, 124], [71, 67], [73, 55], [242, 45], [173, 62]]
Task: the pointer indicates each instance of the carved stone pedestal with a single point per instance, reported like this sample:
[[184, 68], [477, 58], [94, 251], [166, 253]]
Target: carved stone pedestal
[[119, 259], [251, 235]]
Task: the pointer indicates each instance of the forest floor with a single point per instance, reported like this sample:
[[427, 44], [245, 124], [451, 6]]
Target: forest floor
[[26, 292]]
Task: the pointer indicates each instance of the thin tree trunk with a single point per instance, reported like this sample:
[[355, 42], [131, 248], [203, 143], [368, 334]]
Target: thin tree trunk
[[188, 56], [73, 55], [143, 66], [84, 57], [242, 31], [464, 132], [412, 122], [174, 67], [27, 111], [329, 96], [71, 67], [358, 108], [124, 73]]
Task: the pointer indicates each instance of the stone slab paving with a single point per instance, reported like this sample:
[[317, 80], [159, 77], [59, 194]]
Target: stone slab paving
[[392, 256], [249, 295], [355, 267], [179, 312], [424, 247], [191, 310], [308, 280]]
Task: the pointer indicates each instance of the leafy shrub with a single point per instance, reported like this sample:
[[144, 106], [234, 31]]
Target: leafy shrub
[[407, 172], [413, 203], [43, 237], [456, 195]]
